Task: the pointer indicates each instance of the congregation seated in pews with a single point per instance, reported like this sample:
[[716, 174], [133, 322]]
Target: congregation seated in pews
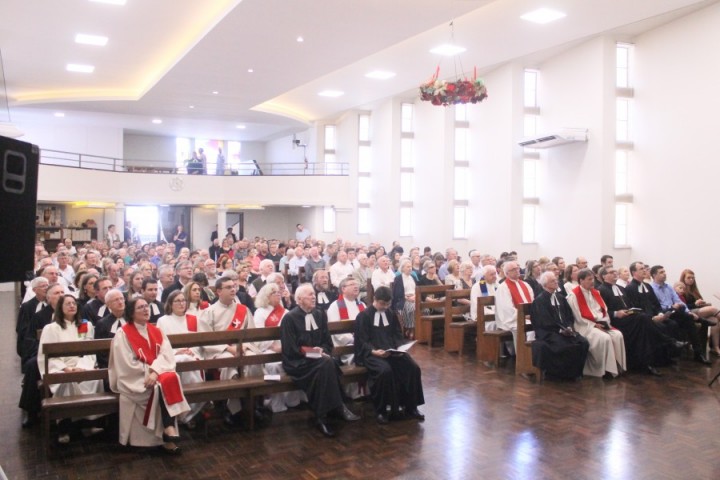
[[296, 330]]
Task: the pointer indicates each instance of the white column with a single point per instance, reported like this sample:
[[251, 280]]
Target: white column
[[120, 220], [221, 223]]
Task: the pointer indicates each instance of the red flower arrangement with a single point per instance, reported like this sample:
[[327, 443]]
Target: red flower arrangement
[[440, 92]]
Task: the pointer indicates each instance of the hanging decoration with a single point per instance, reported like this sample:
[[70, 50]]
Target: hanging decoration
[[462, 90]]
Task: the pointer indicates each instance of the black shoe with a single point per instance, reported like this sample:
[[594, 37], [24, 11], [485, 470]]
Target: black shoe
[[171, 449], [680, 345], [325, 429], [654, 371], [415, 414], [382, 419], [171, 438], [349, 416], [700, 358], [608, 376]]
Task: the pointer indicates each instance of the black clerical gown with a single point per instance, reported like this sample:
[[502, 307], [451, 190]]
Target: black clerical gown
[[645, 343], [319, 378], [94, 310], [106, 328], [396, 380], [679, 325], [556, 354], [331, 295], [31, 395], [25, 314]]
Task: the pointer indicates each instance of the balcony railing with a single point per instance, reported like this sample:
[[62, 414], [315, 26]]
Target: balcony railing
[[245, 168]]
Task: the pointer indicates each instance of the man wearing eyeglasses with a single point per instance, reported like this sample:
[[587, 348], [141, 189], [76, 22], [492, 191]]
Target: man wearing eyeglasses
[[184, 272], [227, 314]]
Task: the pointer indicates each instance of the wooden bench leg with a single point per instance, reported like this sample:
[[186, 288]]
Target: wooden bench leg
[[488, 349], [454, 338]]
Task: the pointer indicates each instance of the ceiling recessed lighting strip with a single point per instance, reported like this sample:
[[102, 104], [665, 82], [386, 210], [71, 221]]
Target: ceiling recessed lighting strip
[[96, 40], [76, 67], [543, 16], [380, 75], [331, 93], [111, 2]]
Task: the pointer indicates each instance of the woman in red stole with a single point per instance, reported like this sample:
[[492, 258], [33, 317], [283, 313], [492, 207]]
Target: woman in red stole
[[142, 370], [269, 313]]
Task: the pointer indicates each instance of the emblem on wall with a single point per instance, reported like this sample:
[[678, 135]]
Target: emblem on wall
[[176, 184]]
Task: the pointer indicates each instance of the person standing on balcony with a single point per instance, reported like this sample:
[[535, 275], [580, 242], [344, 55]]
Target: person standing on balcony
[[220, 167]]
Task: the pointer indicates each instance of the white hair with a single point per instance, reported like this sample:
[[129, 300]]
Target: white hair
[[545, 278], [301, 290], [262, 299]]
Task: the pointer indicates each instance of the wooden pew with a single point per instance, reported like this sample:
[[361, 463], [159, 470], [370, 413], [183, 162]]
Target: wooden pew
[[523, 359], [489, 343], [456, 326], [425, 323], [74, 406], [370, 293]]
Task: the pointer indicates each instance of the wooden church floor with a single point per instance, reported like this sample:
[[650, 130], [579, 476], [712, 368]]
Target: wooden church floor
[[481, 423]]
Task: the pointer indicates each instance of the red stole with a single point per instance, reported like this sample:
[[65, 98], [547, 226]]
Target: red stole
[[273, 320], [342, 307], [147, 352], [191, 322], [239, 317], [582, 303], [515, 293]]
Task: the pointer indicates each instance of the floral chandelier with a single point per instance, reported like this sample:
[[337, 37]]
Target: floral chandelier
[[462, 90]]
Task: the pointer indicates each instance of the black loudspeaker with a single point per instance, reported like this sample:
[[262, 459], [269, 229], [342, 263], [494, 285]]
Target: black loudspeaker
[[18, 202]]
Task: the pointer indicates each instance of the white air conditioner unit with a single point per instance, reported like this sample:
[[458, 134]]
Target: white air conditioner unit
[[564, 136]]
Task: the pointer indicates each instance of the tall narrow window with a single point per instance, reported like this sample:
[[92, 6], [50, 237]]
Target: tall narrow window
[[530, 90], [460, 214], [332, 167], [622, 78], [622, 130], [530, 167], [531, 158], [407, 169], [621, 225], [621, 172], [364, 197]]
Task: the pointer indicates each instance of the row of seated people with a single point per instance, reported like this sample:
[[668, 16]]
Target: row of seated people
[[135, 373], [639, 327]]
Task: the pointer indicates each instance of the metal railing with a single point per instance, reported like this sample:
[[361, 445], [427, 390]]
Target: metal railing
[[246, 168]]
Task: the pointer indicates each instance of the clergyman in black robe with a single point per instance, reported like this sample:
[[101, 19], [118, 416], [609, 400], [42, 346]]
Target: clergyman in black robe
[[558, 350], [395, 378], [645, 343], [304, 330]]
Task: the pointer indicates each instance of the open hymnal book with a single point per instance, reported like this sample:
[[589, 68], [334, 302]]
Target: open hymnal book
[[310, 352], [402, 348]]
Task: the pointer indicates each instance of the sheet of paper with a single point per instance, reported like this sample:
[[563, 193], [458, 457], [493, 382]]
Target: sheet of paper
[[272, 378], [313, 355]]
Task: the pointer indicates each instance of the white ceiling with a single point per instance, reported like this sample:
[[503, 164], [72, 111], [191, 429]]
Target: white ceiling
[[165, 55]]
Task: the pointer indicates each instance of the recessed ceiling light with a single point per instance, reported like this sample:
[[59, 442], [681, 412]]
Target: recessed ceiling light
[[191, 106], [250, 70], [241, 127], [157, 121], [75, 67], [543, 15], [215, 92], [111, 2], [306, 206], [331, 93], [59, 114], [85, 39], [380, 75], [300, 39], [448, 49]]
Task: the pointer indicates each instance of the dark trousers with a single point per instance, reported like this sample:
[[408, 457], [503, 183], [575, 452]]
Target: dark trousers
[[31, 395]]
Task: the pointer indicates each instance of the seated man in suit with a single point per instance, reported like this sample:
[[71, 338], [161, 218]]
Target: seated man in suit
[[558, 349]]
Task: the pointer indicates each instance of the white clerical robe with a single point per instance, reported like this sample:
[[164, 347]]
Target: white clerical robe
[[173, 325], [127, 377], [506, 313], [475, 292], [54, 333], [607, 348], [277, 402], [217, 318], [352, 390]]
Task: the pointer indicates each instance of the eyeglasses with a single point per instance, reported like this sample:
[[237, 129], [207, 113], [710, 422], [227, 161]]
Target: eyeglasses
[[180, 300], [142, 307]]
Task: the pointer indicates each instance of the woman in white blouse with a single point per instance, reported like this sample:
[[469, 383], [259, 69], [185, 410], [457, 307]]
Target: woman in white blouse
[[68, 327], [404, 296]]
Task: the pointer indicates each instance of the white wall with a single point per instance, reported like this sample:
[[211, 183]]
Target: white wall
[[675, 176], [102, 141], [283, 151]]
